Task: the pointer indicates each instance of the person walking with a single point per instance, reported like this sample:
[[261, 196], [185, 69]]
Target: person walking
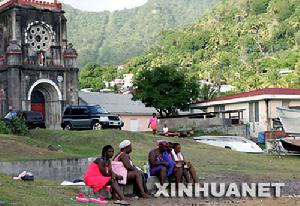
[[153, 123]]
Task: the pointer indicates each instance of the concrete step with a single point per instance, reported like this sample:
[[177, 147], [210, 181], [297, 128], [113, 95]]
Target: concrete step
[[88, 191]]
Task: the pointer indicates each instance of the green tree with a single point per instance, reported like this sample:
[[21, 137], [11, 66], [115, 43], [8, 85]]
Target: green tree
[[282, 9], [166, 88], [94, 76], [252, 39], [297, 38], [259, 6], [113, 37]]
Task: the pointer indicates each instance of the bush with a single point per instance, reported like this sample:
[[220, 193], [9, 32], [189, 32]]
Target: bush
[[3, 128], [18, 126], [282, 9]]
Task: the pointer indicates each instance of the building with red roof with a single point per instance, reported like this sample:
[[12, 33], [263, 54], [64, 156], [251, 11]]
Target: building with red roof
[[258, 107]]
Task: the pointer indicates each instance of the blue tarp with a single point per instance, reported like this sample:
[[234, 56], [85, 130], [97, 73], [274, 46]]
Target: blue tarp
[[261, 137]]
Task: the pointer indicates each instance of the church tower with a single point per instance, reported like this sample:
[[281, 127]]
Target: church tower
[[38, 70]]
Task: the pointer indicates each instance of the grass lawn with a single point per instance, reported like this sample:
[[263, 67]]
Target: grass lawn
[[37, 193], [206, 159]]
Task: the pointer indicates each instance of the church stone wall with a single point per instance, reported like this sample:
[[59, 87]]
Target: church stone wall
[[25, 67]]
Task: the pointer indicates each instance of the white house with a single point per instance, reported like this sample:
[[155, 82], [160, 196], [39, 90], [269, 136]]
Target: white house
[[259, 106]]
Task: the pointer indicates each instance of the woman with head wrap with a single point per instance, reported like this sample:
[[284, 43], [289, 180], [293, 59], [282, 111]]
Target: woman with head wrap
[[132, 173], [161, 165]]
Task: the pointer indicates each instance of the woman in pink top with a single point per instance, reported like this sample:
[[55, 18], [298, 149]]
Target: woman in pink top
[[133, 174], [153, 123], [99, 175]]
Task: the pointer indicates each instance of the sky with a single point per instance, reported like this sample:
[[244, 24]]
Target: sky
[[101, 5]]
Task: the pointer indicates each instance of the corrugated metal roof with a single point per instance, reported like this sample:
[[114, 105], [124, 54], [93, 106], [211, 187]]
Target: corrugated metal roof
[[267, 91], [116, 103]]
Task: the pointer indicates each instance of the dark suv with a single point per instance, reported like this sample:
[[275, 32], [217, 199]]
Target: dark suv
[[89, 117], [33, 119]]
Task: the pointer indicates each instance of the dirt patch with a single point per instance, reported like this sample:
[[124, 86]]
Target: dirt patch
[[290, 194], [200, 202], [292, 187], [226, 177]]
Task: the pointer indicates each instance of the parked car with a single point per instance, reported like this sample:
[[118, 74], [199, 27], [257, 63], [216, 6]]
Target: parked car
[[92, 117], [33, 119]]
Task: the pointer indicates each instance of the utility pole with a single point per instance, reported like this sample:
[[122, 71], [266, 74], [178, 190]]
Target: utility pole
[[220, 75]]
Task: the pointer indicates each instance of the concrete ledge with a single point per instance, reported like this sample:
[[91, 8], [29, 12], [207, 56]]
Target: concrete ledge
[[126, 189], [151, 183], [153, 179]]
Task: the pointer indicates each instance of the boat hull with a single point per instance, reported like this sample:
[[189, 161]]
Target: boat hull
[[234, 143], [291, 145], [290, 119]]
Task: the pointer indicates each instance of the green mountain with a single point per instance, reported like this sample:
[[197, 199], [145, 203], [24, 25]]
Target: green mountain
[[249, 44], [112, 37]]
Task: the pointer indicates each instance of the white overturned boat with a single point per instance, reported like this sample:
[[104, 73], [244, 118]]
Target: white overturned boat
[[235, 143], [290, 119]]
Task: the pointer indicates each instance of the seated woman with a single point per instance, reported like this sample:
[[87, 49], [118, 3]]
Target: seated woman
[[187, 167], [99, 174], [133, 175], [161, 164], [177, 172]]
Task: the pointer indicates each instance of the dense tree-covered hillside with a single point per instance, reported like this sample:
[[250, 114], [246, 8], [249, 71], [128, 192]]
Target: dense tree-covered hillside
[[246, 43], [112, 37]]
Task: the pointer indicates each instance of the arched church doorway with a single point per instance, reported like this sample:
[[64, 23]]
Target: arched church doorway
[[45, 97], [38, 102]]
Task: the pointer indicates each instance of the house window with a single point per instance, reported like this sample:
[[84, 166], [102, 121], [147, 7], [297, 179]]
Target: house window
[[254, 112], [256, 107], [219, 108]]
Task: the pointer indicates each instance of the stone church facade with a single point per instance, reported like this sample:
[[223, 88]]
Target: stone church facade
[[38, 70]]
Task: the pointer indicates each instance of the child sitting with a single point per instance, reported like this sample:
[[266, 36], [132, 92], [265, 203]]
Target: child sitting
[[165, 130]]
